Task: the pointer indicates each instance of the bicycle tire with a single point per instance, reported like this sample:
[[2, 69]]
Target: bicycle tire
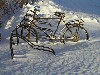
[[75, 34]]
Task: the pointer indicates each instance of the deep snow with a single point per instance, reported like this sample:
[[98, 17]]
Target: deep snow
[[81, 58]]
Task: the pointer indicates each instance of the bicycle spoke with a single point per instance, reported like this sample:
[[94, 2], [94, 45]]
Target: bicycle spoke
[[76, 33]]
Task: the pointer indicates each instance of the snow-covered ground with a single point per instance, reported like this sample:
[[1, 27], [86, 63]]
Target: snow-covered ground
[[81, 58]]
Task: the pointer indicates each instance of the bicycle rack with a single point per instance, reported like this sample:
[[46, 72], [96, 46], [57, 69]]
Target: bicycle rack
[[18, 35]]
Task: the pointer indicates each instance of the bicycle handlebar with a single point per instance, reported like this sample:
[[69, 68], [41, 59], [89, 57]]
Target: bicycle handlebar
[[75, 22]]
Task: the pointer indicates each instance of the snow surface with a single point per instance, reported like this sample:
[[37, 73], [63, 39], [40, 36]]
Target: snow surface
[[81, 58]]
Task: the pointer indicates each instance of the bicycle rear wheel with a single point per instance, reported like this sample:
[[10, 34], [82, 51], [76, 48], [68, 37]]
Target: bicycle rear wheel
[[75, 34]]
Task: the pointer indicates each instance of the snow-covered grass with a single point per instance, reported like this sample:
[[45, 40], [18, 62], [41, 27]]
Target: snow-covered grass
[[81, 58]]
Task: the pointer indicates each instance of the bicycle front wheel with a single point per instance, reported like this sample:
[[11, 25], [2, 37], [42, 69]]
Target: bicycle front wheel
[[75, 34]]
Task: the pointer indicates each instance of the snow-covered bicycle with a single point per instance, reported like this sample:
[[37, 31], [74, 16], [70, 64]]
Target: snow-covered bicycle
[[72, 30]]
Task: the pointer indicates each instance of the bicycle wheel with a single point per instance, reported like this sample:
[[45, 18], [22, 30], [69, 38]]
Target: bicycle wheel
[[75, 34]]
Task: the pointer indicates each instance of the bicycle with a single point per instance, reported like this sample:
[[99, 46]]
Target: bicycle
[[69, 31]]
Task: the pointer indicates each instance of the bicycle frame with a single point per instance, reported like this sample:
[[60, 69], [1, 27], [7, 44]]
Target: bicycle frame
[[60, 18]]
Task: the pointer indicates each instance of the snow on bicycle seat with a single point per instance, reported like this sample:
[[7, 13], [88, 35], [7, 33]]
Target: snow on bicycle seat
[[59, 14]]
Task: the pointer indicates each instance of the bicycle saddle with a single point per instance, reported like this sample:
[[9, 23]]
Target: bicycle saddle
[[59, 14]]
